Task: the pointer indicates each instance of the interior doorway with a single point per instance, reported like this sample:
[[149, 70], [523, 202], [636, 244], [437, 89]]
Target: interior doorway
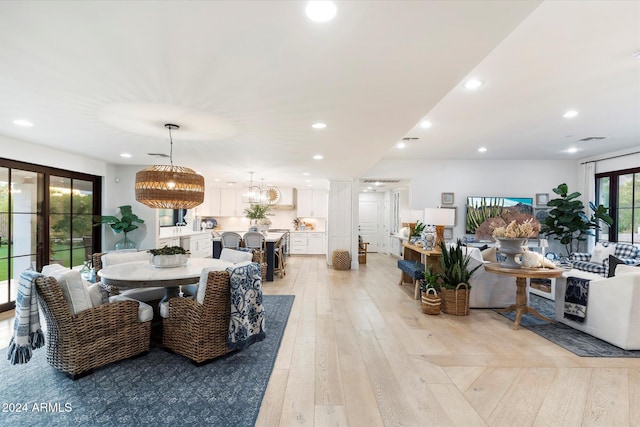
[[369, 223]]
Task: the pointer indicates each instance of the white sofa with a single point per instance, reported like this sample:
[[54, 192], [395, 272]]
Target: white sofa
[[613, 307], [489, 290]]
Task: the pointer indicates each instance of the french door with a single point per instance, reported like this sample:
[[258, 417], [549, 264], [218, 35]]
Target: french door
[[45, 217]]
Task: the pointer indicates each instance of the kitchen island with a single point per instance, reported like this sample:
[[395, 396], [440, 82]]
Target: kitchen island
[[272, 239]]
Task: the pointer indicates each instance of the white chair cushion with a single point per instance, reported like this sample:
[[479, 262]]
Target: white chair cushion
[[120, 257], [144, 294], [145, 311], [234, 256], [48, 270], [627, 269], [95, 293], [202, 284], [75, 292], [164, 309], [601, 252]]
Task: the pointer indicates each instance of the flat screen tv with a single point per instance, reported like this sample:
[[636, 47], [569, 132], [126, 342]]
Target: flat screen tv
[[480, 209]]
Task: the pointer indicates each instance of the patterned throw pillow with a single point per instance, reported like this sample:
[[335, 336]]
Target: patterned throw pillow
[[601, 252]]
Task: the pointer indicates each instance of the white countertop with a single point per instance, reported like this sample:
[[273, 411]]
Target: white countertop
[[183, 233]]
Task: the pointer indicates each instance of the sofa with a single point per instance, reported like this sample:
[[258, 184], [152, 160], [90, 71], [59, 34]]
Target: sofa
[[613, 307], [598, 261], [489, 290]]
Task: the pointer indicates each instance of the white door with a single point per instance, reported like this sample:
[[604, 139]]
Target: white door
[[369, 223]]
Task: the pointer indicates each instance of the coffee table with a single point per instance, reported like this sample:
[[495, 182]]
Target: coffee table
[[522, 274]]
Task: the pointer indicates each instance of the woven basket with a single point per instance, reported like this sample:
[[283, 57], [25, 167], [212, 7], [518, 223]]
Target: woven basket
[[431, 302], [456, 301], [341, 260]]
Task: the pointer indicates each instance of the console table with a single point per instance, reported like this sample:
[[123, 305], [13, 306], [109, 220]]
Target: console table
[[418, 253], [522, 274]]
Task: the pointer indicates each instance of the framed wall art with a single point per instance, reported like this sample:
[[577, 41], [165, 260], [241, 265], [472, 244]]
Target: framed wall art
[[542, 199], [447, 198]]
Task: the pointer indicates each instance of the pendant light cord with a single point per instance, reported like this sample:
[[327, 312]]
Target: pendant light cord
[[171, 149]]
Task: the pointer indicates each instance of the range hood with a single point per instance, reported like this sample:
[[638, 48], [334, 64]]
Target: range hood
[[287, 201]]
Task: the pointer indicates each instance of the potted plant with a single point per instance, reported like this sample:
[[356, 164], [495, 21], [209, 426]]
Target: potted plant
[[124, 224], [168, 256], [567, 221], [455, 279], [258, 213], [430, 287]]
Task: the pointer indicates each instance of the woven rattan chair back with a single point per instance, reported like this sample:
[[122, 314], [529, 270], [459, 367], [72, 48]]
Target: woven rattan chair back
[[76, 344], [256, 242], [231, 240], [199, 331]]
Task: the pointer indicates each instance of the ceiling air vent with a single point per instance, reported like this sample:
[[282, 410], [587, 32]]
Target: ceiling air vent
[[410, 138], [382, 181], [158, 154], [592, 138]]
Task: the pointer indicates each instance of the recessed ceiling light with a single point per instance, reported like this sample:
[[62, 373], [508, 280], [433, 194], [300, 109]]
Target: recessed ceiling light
[[319, 125], [572, 150], [125, 155], [309, 185], [369, 188], [306, 174], [570, 114], [426, 124], [364, 191], [473, 84], [23, 123], [377, 183], [482, 149], [401, 145], [318, 157], [321, 11], [216, 179]]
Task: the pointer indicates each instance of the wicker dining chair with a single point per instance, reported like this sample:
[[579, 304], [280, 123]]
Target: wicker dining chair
[[78, 343], [231, 240], [199, 331]]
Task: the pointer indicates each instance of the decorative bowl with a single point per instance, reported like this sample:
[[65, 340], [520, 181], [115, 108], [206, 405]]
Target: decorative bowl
[[168, 261]]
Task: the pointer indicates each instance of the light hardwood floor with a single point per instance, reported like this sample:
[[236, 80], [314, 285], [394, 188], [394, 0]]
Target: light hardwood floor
[[357, 351]]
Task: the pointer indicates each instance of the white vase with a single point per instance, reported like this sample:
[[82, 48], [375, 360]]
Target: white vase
[[510, 248]]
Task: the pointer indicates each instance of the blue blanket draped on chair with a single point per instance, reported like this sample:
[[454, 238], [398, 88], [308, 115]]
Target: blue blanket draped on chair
[[575, 299], [246, 325], [27, 334]]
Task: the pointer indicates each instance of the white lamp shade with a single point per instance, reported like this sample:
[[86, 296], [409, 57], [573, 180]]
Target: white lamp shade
[[439, 216]]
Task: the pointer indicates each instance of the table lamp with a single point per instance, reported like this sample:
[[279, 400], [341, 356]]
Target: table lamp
[[441, 218]]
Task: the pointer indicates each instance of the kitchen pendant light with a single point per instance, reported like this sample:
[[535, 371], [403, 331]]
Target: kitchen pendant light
[[169, 186], [250, 192]]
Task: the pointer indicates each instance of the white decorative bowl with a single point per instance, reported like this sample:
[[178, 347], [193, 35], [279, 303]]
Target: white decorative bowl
[[168, 261]]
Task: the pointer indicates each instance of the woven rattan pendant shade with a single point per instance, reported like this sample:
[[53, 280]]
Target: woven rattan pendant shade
[[169, 186]]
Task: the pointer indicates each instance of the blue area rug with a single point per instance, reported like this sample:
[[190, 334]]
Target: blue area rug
[[575, 341], [158, 389]]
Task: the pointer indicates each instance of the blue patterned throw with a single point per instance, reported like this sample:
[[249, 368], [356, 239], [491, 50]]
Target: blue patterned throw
[[246, 325], [27, 334], [575, 299]]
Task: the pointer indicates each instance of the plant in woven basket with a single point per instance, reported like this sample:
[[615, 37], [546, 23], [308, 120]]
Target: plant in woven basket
[[430, 280], [455, 266]]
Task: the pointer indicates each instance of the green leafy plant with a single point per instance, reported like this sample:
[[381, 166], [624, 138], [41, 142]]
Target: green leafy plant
[[124, 224], [455, 266], [567, 221], [169, 250], [430, 280], [417, 231], [257, 211]]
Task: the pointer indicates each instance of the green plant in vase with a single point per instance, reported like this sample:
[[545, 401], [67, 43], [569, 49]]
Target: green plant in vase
[[125, 224]]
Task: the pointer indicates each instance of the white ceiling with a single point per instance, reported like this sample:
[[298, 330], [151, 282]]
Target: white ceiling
[[245, 81]]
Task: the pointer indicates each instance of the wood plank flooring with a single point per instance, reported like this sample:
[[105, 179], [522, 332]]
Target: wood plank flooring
[[358, 351]]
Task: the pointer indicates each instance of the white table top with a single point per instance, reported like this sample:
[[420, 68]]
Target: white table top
[[142, 274]]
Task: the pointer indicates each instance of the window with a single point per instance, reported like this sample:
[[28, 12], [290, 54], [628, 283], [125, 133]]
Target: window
[[620, 192], [45, 217]]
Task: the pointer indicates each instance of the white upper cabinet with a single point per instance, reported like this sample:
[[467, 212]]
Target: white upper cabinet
[[313, 203]]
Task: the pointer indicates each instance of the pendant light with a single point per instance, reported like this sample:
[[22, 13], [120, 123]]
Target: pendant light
[[169, 186]]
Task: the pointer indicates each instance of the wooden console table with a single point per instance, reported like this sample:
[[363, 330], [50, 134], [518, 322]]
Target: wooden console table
[[522, 274], [428, 258]]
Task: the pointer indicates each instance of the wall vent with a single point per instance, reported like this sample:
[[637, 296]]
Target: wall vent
[[158, 154], [382, 181], [592, 138]]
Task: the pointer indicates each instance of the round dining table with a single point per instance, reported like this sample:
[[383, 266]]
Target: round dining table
[[142, 274]]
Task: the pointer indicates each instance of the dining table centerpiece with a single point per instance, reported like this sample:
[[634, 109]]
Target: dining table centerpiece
[[513, 238], [168, 257]]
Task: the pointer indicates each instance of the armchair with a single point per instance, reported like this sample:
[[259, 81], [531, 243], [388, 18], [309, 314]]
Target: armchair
[[94, 337], [626, 252]]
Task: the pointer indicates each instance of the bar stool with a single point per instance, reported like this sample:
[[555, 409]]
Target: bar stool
[[256, 242], [231, 240], [280, 263]]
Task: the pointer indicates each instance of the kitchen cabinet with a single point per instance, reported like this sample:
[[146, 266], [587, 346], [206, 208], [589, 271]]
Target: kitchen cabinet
[[211, 204], [168, 241], [199, 245], [302, 243], [231, 202], [313, 203]]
